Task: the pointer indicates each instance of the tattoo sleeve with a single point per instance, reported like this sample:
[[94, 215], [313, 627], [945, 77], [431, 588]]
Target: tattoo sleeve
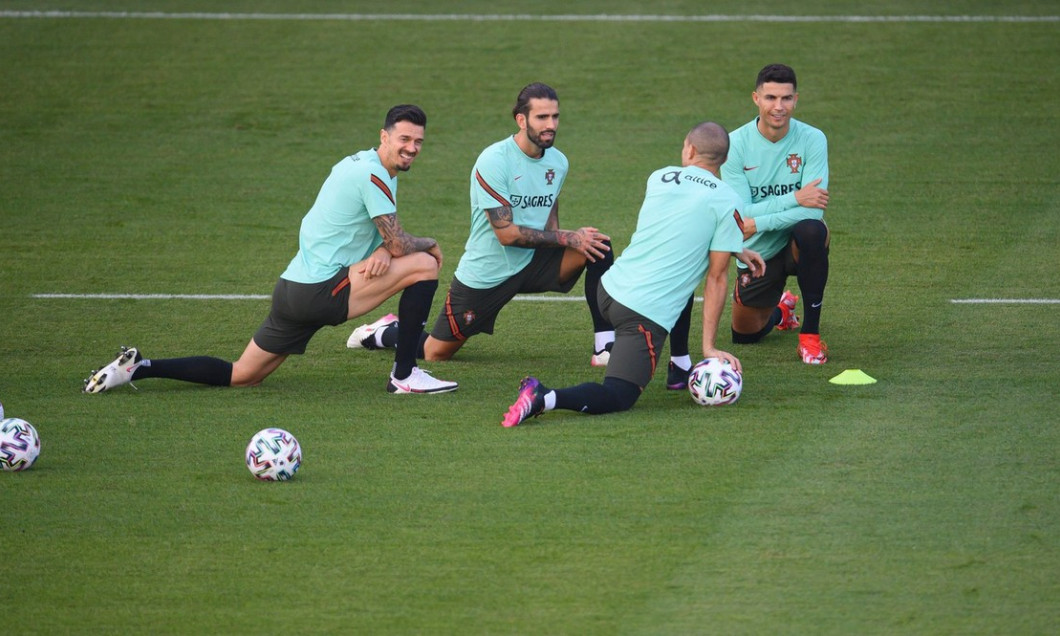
[[396, 240], [501, 220]]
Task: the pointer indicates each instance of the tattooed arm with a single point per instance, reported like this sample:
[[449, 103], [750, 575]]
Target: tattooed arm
[[588, 241], [397, 242]]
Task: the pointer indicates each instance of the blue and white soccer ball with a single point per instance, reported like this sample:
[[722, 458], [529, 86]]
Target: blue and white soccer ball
[[273, 455], [713, 382], [19, 444]]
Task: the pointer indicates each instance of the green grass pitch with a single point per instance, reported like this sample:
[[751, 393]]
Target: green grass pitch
[[176, 155]]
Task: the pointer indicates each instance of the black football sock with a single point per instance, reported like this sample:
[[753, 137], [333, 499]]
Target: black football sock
[[413, 308], [595, 399], [593, 272], [812, 271], [388, 336], [419, 350], [200, 369], [679, 334], [751, 338]]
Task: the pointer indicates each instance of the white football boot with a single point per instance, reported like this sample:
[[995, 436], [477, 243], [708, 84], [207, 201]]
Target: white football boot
[[116, 373], [359, 339], [419, 381]]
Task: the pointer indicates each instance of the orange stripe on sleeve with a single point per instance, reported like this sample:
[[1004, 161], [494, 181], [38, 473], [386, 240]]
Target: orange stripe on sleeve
[[491, 191], [384, 187]]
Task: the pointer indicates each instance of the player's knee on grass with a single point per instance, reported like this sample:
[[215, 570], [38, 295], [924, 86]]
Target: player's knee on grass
[[750, 338]]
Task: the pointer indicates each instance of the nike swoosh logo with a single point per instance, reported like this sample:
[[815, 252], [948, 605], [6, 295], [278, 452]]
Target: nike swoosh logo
[[517, 178], [815, 305], [749, 168]]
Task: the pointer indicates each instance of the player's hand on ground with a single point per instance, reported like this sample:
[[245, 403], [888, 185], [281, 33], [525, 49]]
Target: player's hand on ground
[[723, 355], [590, 242], [377, 264], [812, 195], [754, 261]]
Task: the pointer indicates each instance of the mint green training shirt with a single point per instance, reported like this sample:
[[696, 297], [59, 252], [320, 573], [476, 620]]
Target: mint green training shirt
[[687, 213], [766, 176], [338, 230], [504, 175]]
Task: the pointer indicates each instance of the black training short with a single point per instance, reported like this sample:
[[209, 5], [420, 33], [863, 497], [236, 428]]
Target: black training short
[[767, 290], [469, 311], [638, 342], [299, 310]]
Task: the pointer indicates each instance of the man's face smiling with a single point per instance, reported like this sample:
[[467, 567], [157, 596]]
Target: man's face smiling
[[399, 146], [775, 103]]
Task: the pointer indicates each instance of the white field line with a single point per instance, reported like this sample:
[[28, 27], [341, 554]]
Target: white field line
[[436, 17], [526, 297], [1006, 301], [523, 297]]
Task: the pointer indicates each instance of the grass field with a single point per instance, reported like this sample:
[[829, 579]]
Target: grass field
[[154, 155]]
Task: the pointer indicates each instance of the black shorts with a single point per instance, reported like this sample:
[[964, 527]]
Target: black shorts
[[299, 310], [767, 290], [469, 311], [638, 341]]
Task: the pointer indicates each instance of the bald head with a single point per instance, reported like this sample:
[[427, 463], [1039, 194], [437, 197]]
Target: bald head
[[710, 143]]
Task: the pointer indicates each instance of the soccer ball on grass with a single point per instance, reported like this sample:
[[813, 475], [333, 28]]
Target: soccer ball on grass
[[273, 455], [713, 382], [19, 444]]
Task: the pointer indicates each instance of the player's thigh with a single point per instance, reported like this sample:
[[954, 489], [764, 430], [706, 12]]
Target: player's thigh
[[766, 290], [572, 265], [552, 269], [753, 299], [367, 294], [638, 342]]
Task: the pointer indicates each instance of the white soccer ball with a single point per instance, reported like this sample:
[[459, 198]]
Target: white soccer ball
[[273, 455], [19, 444], [713, 382]]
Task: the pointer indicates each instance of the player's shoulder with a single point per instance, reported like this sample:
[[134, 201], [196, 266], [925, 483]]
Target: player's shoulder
[[365, 162], [496, 154], [500, 148], [743, 137], [807, 131], [727, 194], [745, 130]]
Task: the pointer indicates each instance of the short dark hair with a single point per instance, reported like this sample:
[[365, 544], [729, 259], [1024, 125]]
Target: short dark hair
[[537, 90], [710, 140], [778, 74], [405, 112]]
